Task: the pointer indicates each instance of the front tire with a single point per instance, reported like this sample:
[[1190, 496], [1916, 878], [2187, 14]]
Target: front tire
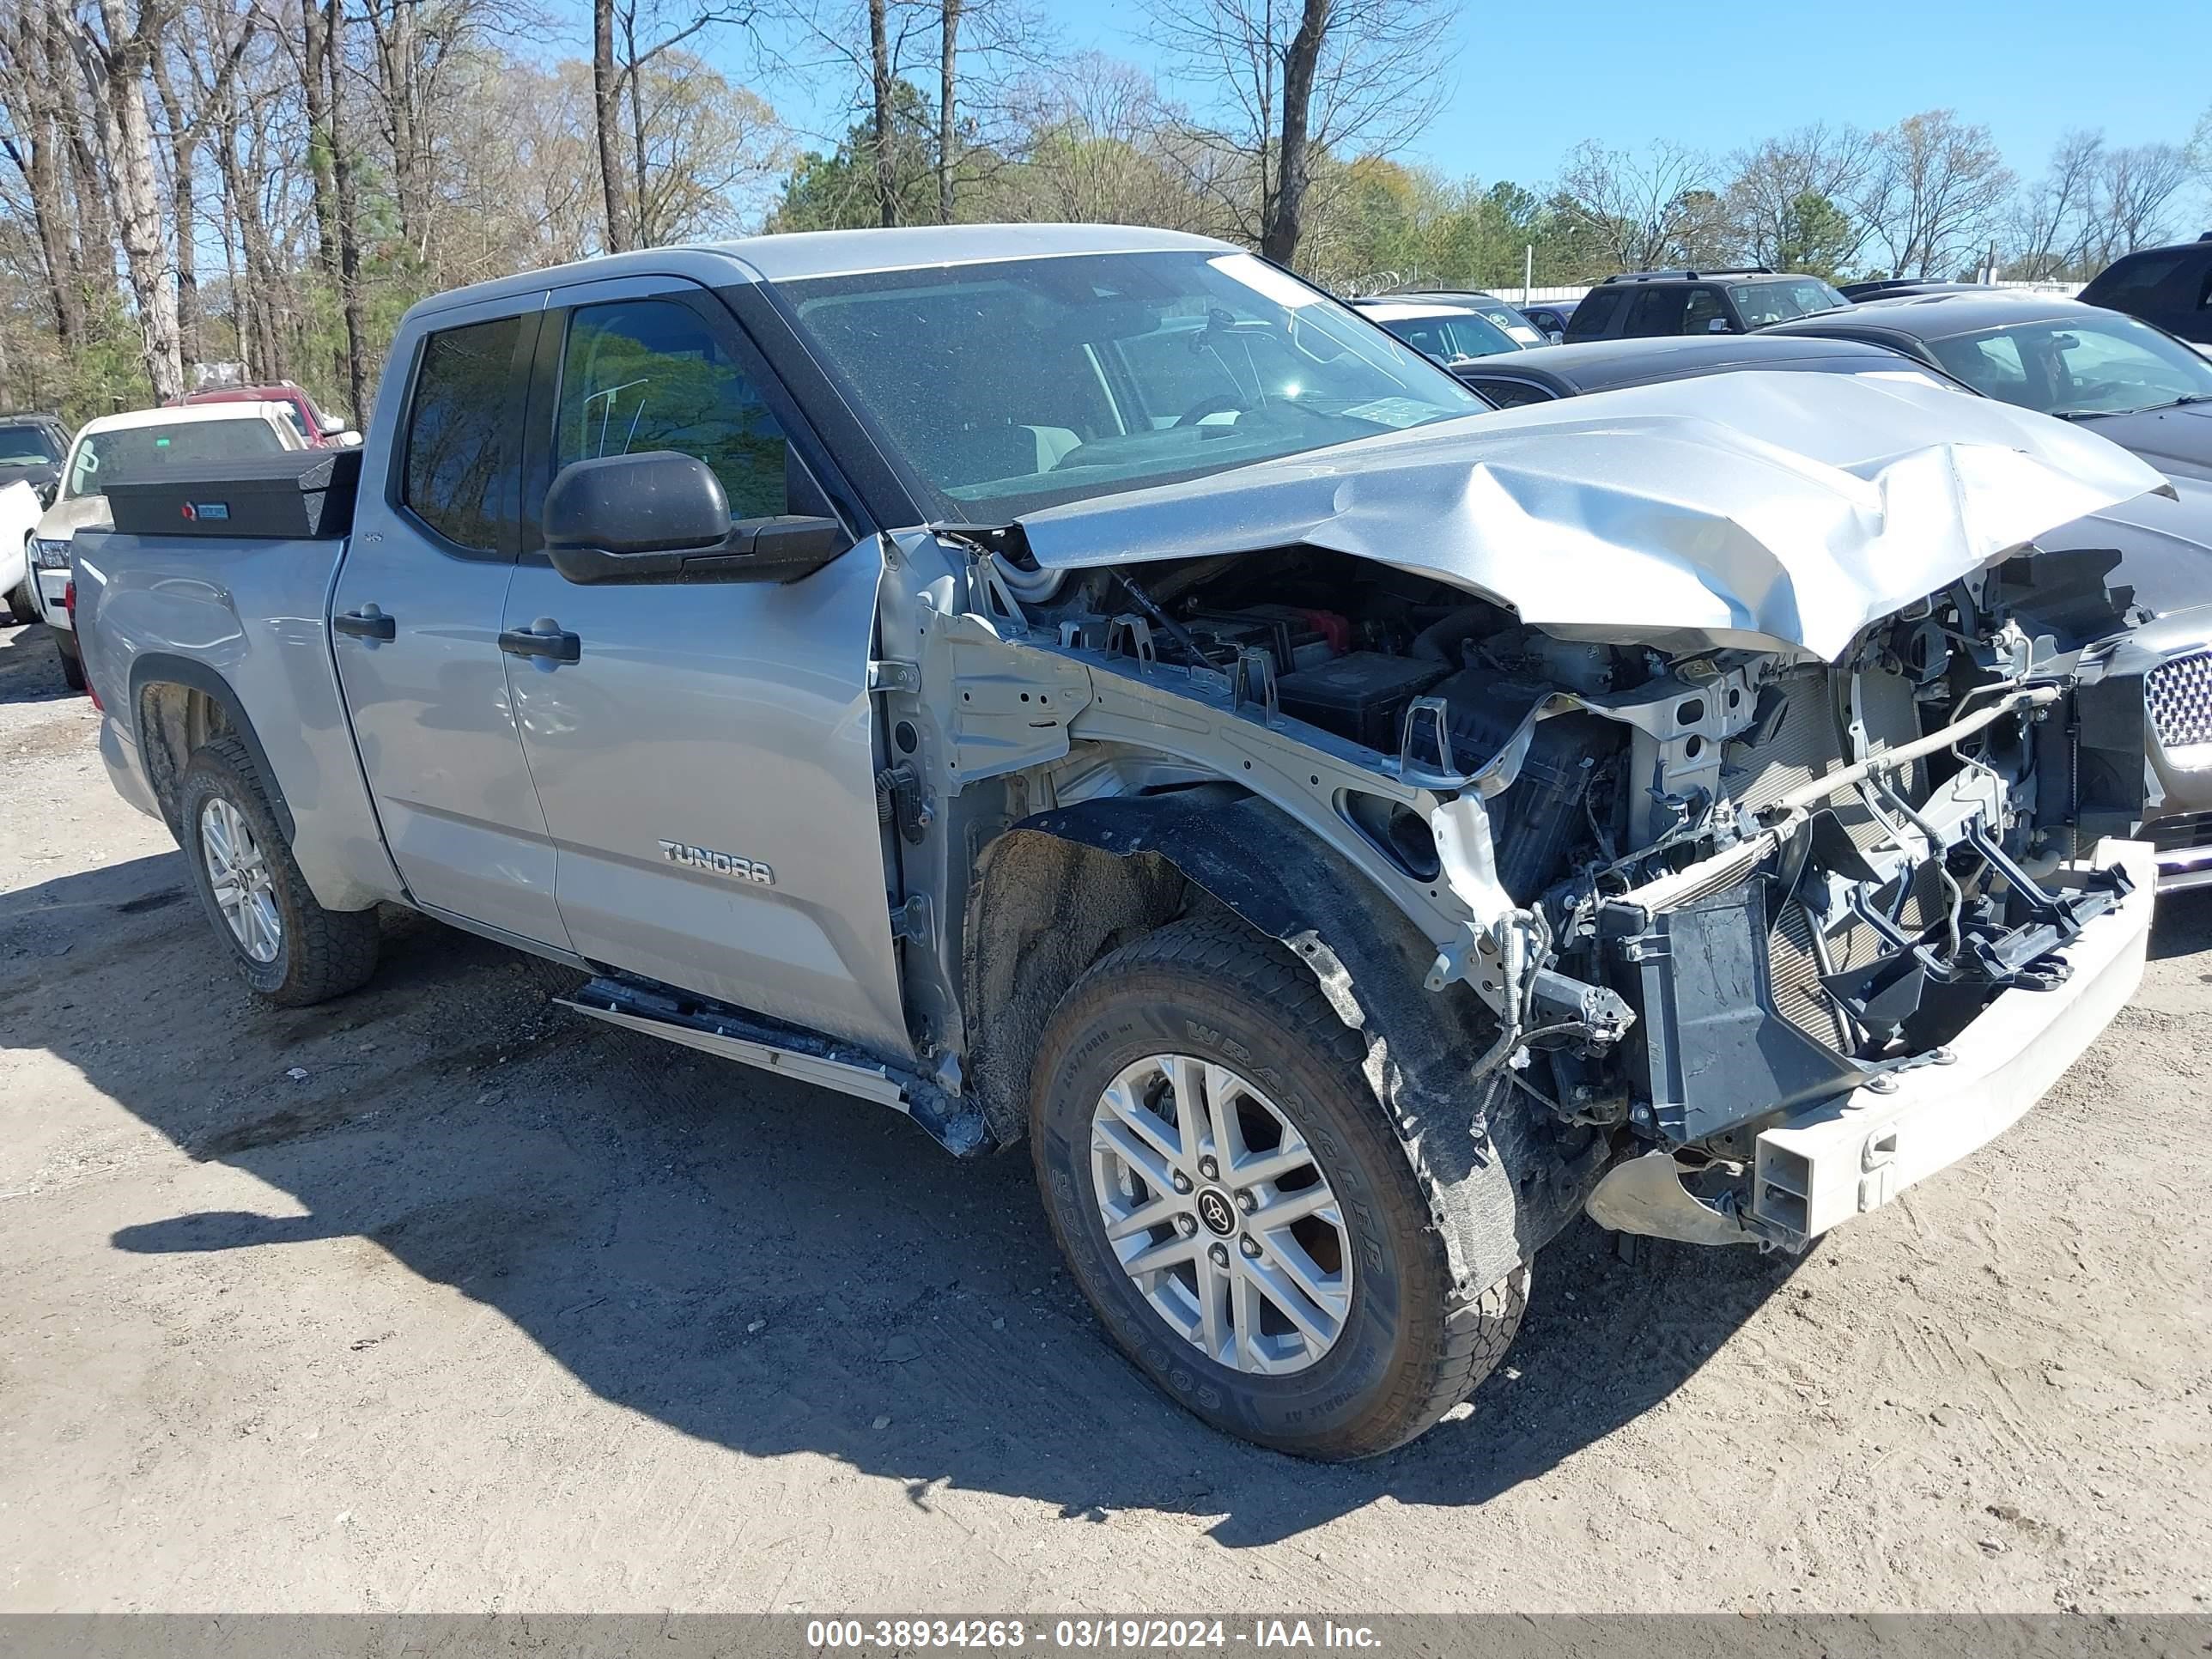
[[24, 606], [290, 949], [1236, 1208]]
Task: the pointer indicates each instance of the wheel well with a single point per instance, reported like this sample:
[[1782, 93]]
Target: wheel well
[[1062, 888], [174, 721], [1042, 910]]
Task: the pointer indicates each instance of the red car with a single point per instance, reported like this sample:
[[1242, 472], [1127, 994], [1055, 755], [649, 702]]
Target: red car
[[320, 430]]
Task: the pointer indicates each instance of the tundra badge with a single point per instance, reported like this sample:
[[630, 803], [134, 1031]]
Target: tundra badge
[[722, 864]]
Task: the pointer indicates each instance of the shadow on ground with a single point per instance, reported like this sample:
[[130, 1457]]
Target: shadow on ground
[[756, 1263], [30, 667]]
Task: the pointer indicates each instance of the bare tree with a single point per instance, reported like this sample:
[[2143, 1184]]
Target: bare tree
[[1938, 189], [1640, 212], [238, 117], [348, 206], [2051, 219], [1774, 180], [882, 90], [1321, 78], [707, 151], [616, 80], [2137, 187], [948, 57], [186, 120], [35, 83], [116, 55], [1097, 148], [415, 48], [306, 51], [605, 89]]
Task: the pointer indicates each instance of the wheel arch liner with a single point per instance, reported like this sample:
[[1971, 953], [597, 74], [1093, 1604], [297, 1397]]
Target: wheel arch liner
[[1500, 1177], [161, 668]]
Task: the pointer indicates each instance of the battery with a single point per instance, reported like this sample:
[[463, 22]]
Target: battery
[[1362, 694]]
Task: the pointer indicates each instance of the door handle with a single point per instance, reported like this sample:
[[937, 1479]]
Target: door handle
[[544, 639], [365, 623]]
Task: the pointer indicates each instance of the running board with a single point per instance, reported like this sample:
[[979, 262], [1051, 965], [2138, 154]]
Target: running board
[[716, 1028]]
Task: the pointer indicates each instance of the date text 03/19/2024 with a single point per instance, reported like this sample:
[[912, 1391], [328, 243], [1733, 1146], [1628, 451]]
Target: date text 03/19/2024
[[1119, 1634]]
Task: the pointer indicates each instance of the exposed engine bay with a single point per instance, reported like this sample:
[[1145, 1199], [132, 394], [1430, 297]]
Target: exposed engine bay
[[1707, 889]]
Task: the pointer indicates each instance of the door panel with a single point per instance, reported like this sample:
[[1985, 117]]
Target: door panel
[[432, 551], [730, 717], [707, 764]]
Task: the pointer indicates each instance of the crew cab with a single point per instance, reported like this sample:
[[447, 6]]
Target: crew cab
[[1085, 685]]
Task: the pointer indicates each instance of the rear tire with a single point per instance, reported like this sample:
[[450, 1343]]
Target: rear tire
[[290, 949], [23, 603], [72, 660], [1390, 1344]]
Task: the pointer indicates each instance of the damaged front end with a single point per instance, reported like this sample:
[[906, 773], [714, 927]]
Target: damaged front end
[[1760, 792], [1798, 884]]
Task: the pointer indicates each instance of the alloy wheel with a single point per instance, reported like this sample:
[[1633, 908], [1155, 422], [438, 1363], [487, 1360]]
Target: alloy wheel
[[244, 886], [1221, 1215]]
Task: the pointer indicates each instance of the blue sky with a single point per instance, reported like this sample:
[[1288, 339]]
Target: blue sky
[[1722, 74]]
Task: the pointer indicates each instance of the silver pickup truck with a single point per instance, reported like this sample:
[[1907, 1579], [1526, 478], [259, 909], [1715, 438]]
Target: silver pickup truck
[[1086, 684]]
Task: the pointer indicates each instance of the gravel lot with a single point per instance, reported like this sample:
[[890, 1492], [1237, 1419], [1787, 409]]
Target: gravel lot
[[438, 1298]]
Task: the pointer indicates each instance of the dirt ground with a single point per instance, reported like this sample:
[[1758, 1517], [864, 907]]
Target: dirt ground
[[438, 1299]]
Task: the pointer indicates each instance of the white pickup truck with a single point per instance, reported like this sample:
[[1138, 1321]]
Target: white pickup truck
[[138, 441], [1085, 685]]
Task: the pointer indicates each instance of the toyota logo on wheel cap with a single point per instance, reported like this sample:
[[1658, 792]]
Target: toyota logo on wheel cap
[[1215, 1209]]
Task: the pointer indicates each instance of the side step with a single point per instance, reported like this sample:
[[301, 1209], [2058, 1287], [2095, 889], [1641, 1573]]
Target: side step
[[716, 1028]]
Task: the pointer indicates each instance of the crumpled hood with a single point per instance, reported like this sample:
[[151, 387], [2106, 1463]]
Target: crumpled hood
[[1766, 510]]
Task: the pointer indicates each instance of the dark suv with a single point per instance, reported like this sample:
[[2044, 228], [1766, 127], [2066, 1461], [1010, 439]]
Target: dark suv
[[1639, 303], [2169, 287], [31, 449]]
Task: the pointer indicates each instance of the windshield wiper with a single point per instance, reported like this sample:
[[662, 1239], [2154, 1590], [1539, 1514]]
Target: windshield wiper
[[2146, 409]]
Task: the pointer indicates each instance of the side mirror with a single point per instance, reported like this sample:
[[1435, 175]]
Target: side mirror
[[1556, 336], [332, 425], [346, 438], [1718, 325], [662, 517]]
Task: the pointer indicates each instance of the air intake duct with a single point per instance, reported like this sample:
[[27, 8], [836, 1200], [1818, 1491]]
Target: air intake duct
[[1537, 822]]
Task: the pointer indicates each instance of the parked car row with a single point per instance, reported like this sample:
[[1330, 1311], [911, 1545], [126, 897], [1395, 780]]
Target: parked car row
[[2170, 287]]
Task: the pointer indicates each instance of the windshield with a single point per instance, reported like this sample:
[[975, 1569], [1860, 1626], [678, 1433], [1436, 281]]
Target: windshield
[[1452, 339], [1010, 386], [2101, 363], [143, 451], [1762, 303], [26, 445], [1516, 326]]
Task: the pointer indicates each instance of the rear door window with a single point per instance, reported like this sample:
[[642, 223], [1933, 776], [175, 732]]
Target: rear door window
[[463, 472], [645, 375], [2134, 283], [1657, 310], [1704, 310], [1595, 313]]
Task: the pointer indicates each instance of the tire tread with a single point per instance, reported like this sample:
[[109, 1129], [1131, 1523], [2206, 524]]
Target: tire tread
[[1466, 1344], [328, 952]]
